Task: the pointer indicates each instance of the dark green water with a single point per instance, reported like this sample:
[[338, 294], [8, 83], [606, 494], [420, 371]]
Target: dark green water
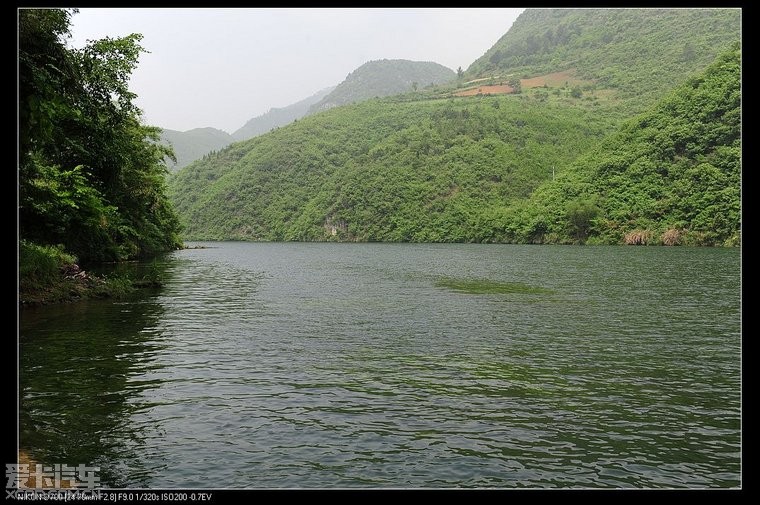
[[372, 365]]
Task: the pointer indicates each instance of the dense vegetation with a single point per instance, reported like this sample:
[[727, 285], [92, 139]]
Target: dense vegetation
[[91, 176], [192, 144], [639, 53], [384, 170], [670, 176], [382, 78]]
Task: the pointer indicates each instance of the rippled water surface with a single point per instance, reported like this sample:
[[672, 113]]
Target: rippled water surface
[[356, 365]]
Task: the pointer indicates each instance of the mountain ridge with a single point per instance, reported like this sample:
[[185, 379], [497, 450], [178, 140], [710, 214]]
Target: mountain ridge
[[278, 116], [379, 78], [189, 145], [366, 81]]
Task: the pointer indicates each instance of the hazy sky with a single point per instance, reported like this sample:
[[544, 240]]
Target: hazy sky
[[221, 67]]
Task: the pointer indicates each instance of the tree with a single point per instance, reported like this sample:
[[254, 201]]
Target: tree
[[580, 214], [415, 85], [91, 176], [515, 84], [460, 73], [45, 72]]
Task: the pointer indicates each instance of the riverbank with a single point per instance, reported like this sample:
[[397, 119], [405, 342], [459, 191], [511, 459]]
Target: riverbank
[[49, 275], [70, 287]]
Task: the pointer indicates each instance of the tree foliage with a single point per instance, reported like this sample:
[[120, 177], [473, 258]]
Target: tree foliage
[[91, 176]]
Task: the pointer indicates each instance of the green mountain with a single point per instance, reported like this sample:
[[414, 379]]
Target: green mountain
[[669, 176], [277, 117], [382, 78], [441, 165], [192, 144]]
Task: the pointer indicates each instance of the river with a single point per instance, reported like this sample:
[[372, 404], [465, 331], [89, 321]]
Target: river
[[323, 365]]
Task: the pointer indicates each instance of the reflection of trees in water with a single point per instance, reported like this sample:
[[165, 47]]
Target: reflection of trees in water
[[80, 371]]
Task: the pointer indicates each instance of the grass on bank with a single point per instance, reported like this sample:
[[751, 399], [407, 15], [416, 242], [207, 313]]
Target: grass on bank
[[48, 274]]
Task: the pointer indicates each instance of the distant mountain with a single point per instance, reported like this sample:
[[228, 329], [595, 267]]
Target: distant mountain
[[279, 116], [384, 78], [376, 78], [193, 144]]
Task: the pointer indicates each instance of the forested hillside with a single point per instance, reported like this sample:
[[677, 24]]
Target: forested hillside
[[638, 53], [381, 170], [670, 176]]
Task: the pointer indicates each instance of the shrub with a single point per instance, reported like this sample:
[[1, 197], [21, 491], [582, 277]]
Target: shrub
[[671, 236], [638, 237]]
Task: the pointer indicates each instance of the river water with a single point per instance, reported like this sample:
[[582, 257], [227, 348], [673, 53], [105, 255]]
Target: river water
[[291, 365]]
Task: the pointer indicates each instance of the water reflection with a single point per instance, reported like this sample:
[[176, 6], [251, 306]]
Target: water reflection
[[81, 369]]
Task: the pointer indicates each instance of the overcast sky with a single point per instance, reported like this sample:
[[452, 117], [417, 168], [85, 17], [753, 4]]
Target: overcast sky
[[221, 67]]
